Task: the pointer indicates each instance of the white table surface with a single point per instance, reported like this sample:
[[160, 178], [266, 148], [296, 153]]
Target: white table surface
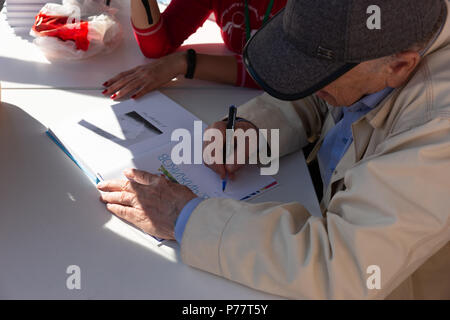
[[50, 215]]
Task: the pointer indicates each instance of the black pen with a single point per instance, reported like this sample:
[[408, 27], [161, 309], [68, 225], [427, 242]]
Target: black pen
[[227, 147]]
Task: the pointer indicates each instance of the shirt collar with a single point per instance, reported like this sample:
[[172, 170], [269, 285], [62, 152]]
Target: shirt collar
[[372, 100], [369, 101]]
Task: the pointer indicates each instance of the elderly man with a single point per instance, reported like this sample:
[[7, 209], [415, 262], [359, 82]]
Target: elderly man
[[374, 96]]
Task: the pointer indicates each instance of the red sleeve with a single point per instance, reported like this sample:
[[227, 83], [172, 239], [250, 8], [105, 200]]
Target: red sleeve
[[243, 77], [181, 19]]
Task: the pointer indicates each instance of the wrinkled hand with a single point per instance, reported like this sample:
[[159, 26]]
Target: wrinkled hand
[[145, 78], [150, 202], [230, 169]]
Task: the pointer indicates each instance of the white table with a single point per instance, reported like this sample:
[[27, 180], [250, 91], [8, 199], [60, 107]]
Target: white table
[[51, 218], [50, 215]]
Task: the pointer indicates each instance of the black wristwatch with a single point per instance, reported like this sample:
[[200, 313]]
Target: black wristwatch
[[191, 58]]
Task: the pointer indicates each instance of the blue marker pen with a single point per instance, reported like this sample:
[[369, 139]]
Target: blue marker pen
[[227, 147]]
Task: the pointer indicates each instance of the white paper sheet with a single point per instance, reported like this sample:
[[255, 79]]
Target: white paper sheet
[[205, 183], [137, 134], [108, 137]]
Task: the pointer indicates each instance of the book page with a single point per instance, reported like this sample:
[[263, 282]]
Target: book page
[[110, 136], [205, 183]]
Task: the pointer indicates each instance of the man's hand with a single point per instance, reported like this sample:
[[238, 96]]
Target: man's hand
[[148, 77], [150, 202], [230, 169]]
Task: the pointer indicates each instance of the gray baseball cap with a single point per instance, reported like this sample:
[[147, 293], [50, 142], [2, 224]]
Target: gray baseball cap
[[311, 43]]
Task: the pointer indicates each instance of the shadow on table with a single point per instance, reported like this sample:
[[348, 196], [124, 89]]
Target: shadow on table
[[39, 75], [51, 218], [91, 73]]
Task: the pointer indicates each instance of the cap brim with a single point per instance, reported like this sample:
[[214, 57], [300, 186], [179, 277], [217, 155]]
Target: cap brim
[[282, 70]]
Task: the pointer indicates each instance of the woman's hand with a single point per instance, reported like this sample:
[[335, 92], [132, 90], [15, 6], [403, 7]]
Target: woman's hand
[[143, 79]]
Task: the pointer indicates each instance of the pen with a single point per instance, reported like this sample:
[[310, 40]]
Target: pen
[[227, 147]]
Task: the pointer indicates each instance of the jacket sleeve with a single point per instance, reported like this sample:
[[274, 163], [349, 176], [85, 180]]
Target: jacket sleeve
[[299, 122], [394, 214]]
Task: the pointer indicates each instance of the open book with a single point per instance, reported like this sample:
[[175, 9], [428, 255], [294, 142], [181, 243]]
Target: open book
[[137, 134]]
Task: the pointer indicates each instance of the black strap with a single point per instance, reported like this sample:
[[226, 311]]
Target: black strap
[[147, 9], [191, 58]]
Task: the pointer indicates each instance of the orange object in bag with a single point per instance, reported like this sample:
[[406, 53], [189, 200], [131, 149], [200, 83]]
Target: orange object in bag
[[53, 26], [76, 29]]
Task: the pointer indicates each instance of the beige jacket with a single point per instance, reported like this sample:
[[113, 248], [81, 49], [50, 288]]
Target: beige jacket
[[388, 204]]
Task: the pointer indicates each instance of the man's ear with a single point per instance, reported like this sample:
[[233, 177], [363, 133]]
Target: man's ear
[[401, 67]]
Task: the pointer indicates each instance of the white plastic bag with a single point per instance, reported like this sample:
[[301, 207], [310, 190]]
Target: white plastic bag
[[77, 29]]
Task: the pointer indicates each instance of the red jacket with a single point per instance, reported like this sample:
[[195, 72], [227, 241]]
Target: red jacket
[[183, 17]]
